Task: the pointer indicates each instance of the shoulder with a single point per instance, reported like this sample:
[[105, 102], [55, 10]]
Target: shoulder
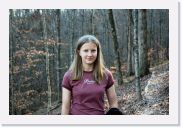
[[68, 74], [109, 78], [66, 82], [108, 73]]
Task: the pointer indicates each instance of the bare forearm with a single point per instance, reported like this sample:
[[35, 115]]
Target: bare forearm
[[113, 103], [112, 97], [66, 99], [65, 110]]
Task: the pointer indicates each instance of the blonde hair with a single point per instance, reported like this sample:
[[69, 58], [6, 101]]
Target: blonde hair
[[77, 67]]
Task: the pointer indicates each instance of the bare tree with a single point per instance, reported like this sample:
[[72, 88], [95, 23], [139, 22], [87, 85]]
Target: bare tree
[[11, 88], [83, 20], [57, 48], [92, 21], [116, 47], [136, 56], [129, 60], [47, 60], [142, 42], [72, 26]]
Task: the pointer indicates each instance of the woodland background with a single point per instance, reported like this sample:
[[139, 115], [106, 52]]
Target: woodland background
[[135, 45]]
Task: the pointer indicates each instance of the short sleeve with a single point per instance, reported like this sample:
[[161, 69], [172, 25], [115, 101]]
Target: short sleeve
[[66, 81], [110, 79]]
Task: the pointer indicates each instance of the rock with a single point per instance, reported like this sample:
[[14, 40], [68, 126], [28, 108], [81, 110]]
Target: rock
[[149, 111], [157, 108], [157, 86]]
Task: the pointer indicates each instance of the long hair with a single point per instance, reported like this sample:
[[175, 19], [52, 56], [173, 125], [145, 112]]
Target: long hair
[[77, 66]]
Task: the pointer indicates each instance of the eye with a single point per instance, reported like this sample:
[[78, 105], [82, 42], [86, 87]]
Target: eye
[[93, 50], [86, 50]]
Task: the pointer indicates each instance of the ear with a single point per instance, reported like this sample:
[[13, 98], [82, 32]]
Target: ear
[[78, 51]]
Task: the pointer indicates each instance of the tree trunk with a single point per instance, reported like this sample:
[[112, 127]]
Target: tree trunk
[[72, 25], [83, 21], [116, 47], [138, 88], [47, 61], [92, 21], [129, 60], [11, 88], [142, 42], [57, 48], [27, 14]]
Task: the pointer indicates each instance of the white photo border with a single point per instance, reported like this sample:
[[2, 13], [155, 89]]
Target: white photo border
[[174, 111]]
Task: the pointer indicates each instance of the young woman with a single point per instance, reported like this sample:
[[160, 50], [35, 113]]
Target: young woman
[[87, 80]]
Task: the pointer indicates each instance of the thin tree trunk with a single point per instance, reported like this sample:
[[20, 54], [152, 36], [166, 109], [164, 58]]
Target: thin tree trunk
[[72, 24], [47, 61], [57, 48], [138, 88], [129, 63], [116, 47], [92, 21], [83, 20], [11, 64], [142, 42]]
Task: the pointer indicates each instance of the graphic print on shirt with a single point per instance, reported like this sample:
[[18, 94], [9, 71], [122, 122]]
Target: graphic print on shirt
[[87, 81]]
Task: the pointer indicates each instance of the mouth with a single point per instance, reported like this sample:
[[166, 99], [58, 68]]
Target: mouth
[[89, 59]]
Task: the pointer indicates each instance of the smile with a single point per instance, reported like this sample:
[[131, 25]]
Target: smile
[[89, 58]]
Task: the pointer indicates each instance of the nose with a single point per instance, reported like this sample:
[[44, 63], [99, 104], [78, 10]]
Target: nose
[[89, 53]]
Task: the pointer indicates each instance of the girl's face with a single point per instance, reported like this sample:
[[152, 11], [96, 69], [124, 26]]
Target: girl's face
[[88, 53]]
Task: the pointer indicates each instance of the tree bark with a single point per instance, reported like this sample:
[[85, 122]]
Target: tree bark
[[136, 56], [116, 47], [11, 88], [57, 48], [47, 60], [142, 42], [72, 24], [129, 60], [92, 21], [83, 21]]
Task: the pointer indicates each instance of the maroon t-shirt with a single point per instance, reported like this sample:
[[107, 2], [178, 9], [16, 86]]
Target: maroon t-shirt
[[87, 97]]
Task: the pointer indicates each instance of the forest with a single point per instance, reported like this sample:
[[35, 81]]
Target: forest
[[135, 46]]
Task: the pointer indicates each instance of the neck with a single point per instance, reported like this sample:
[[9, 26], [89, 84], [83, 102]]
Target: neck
[[88, 67]]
